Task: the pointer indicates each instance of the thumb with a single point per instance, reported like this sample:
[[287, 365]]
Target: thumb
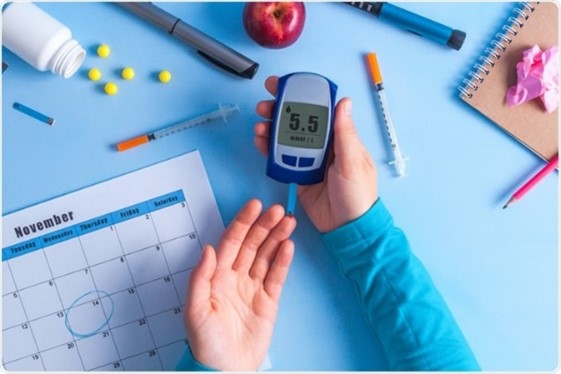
[[199, 286], [346, 144]]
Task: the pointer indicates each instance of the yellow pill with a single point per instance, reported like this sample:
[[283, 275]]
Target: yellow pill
[[127, 73], [111, 88], [164, 76], [94, 74], [103, 51]]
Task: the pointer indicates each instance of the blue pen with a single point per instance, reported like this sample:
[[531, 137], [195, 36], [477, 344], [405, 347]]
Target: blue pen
[[414, 23]]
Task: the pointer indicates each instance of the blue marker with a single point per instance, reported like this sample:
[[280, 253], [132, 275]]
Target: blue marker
[[414, 23], [301, 131]]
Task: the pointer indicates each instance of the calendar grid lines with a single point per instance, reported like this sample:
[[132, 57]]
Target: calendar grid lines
[[140, 354], [100, 297], [101, 366], [111, 259], [61, 304], [98, 279], [26, 323], [109, 329], [165, 257], [89, 269], [97, 293], [114, 327], [135, 287], [166, 262]]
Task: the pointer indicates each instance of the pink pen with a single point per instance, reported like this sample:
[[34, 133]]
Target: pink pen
[[552, 164]]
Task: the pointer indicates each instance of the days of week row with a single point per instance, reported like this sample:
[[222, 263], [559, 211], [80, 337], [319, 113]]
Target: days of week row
[[88, 226]]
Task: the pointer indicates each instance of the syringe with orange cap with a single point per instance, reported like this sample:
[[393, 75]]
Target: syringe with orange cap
[[398, 159], [223, 112]]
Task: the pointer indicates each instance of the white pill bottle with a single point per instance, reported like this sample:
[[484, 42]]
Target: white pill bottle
[[40, 40]]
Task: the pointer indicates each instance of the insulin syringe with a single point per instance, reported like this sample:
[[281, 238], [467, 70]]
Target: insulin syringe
[[224, 111], [398, 159]]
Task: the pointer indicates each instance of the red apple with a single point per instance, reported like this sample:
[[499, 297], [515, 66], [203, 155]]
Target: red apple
[[274, 25]]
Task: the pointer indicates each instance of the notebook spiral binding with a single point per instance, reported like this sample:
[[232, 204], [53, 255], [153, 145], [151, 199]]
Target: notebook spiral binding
[[495, 50]]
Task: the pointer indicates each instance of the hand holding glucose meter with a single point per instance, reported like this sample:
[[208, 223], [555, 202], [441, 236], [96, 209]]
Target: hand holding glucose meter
[[301, 129]]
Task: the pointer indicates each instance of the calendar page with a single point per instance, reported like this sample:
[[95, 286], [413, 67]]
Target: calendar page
[[97, 279]]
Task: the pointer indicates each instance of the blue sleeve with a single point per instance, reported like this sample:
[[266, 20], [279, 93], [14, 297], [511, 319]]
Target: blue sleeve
[[189, 363], [405, 311]]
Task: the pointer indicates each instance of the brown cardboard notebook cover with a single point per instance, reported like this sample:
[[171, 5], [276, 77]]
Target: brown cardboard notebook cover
[[485, 90]]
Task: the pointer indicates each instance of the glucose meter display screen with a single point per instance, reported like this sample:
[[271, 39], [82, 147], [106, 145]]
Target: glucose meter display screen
[[302, 125]]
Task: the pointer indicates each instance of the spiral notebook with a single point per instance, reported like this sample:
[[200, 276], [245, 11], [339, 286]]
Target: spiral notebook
[[486, 85]]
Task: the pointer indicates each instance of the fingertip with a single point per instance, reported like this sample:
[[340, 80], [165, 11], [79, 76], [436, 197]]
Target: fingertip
[[254, 205], [286, 226], [265, 108], [343, 116], [248, 214], [261, 129], [277, 210], [294, 221], [345, 107], [261, 139], [207, 249], [262, 145], [291, 218], [271, 84], [207, 263]]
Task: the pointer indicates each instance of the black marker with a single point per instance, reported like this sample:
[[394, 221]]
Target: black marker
[[211, 49], [414, 23]]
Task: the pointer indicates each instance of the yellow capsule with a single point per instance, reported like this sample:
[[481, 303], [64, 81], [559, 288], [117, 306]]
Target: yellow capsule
[[103, 51], [127, 73], [94, 74], [111, 88], [164, 76]]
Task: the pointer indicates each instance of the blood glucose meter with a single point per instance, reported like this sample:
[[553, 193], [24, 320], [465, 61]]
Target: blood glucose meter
[[301, 129]]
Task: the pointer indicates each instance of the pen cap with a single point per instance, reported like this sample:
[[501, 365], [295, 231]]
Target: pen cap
[[211, 49], [375, 73], [456, 39], [216, 52], [40, 40]]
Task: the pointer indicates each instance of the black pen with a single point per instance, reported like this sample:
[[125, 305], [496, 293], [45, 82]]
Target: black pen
[[211, 49]]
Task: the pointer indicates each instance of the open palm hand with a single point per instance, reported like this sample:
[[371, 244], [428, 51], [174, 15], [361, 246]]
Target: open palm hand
[[234, 291]]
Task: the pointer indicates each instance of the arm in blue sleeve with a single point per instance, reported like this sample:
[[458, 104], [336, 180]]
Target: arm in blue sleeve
[[406, 312], [189, 363]]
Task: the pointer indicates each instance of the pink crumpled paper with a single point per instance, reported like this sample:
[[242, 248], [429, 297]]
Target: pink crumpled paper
[[537, 76]]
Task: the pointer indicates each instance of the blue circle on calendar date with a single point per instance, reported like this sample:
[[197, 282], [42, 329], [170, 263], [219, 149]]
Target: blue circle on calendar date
[[96, 326]]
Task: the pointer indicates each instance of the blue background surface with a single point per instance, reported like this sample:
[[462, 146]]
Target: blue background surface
[[497, 269]]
